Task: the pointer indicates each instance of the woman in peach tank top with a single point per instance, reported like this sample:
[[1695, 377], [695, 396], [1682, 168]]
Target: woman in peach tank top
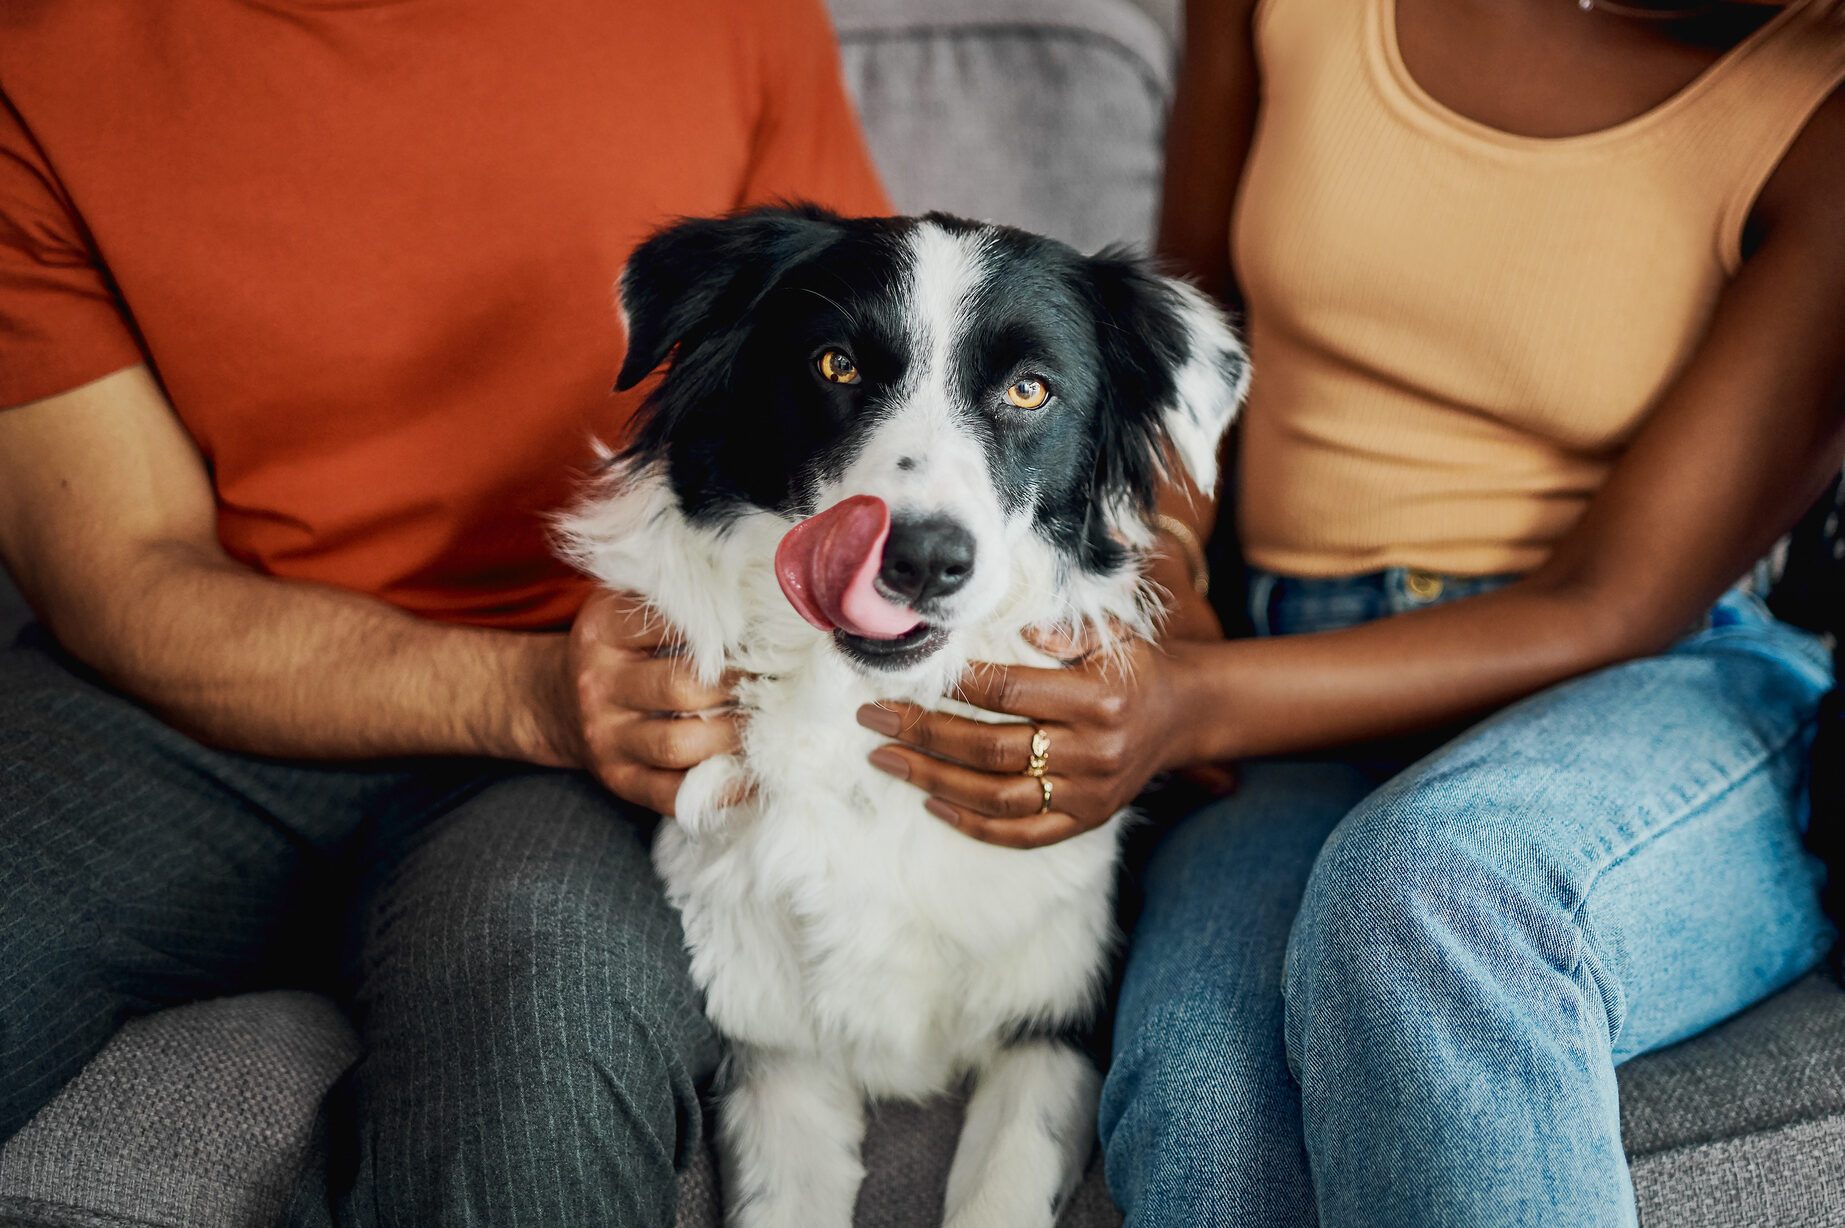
[[1544, 303]]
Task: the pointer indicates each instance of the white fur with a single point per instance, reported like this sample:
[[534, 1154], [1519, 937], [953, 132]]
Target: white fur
[[849, 944], [1198, 420], [1033, 1111], [922, 461]]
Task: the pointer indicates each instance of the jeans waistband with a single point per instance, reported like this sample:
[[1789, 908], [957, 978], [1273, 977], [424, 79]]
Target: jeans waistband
[[1290, 605]]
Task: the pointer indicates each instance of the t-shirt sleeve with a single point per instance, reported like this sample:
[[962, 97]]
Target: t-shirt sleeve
[[808, 145], [61, 326]]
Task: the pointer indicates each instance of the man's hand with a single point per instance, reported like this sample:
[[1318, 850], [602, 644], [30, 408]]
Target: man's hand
[[107, 522], [633, 713]]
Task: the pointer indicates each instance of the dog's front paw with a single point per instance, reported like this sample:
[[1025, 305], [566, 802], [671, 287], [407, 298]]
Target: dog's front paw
[[710, 794]]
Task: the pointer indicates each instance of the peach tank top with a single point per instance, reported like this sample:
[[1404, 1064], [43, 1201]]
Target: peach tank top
[[1455, 330]]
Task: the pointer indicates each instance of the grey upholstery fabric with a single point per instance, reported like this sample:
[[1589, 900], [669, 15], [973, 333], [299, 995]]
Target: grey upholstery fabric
[[195, 1116], [1745, 1125], [1045, 114], [1779, 1065], [1792, 1177]]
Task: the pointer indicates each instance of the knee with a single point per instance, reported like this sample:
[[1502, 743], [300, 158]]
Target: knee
[[1426, 900], [541, 1021], [544, 954], [56, 1007], [519, 929]]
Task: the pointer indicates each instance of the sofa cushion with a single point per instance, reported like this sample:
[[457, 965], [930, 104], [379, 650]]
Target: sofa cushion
[[197, 1117], [194, 1117], [1745, 1124]]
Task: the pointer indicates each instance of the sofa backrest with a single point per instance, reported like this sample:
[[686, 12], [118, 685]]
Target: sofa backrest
[[1045, 114]]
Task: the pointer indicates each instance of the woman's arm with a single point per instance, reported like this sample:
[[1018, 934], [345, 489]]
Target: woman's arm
[[1208, 135], [1741, 444], [1746, 438]]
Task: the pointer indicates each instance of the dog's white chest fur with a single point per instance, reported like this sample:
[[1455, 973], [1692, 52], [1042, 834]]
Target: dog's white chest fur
[[830, 914], [848, 943], [833, 916]]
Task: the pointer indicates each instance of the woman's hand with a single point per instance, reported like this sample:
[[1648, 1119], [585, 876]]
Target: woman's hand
[[630, 709], [1112, 725]]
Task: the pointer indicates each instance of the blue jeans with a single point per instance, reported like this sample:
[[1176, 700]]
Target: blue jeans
[[1398, 997]]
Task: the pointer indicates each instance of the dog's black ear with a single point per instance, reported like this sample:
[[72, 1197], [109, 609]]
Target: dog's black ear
[[690, 280], [1174, 374]]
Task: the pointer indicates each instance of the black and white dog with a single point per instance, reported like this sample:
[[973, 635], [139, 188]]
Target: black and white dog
[[883, 449]]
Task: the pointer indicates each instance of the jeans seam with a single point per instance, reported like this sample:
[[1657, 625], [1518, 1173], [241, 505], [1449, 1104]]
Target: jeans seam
[[1586, 946], [1810, 656], [1689, 810]]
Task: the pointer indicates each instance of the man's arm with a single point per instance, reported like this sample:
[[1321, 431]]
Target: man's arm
[[107, 522]]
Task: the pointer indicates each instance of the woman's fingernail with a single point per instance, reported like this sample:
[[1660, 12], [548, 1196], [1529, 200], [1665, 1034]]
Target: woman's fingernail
[[941, 811], [889, 761], [879, 720]]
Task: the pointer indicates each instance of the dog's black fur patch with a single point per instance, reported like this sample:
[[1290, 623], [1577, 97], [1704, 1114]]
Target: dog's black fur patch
[[744, 304]]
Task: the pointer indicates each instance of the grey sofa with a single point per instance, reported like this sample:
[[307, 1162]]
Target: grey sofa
[[1046, 113]]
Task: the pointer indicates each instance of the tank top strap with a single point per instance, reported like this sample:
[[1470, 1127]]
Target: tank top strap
[[1755, 104]]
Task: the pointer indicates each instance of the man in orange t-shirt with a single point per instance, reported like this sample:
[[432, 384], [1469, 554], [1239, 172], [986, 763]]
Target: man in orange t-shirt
[[306, 328]]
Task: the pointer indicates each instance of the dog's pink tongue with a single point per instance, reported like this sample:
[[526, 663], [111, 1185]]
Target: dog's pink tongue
[[826, 565]]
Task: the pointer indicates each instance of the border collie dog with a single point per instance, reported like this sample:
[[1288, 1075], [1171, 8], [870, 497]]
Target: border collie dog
[[883, 449]]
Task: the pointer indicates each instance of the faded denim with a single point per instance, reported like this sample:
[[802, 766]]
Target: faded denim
[[1398, 1000]]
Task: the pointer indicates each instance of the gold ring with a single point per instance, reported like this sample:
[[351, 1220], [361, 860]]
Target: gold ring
[[1040, 754], [1045, 783]]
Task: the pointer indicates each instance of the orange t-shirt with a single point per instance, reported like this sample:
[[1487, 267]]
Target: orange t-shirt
[[370, 248]]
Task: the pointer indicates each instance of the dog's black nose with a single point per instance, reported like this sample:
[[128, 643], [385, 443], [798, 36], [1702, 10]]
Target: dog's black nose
[[924, 559]]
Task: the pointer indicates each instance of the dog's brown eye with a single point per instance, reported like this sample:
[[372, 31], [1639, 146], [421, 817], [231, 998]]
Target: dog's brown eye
[[836, 368], [1028, 393]]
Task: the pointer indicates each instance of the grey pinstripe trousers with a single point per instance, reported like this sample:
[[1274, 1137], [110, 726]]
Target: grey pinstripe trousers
[[533, 1045]]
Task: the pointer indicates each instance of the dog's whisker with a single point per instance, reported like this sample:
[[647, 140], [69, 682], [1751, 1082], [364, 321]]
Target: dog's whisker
[[850, 318]]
